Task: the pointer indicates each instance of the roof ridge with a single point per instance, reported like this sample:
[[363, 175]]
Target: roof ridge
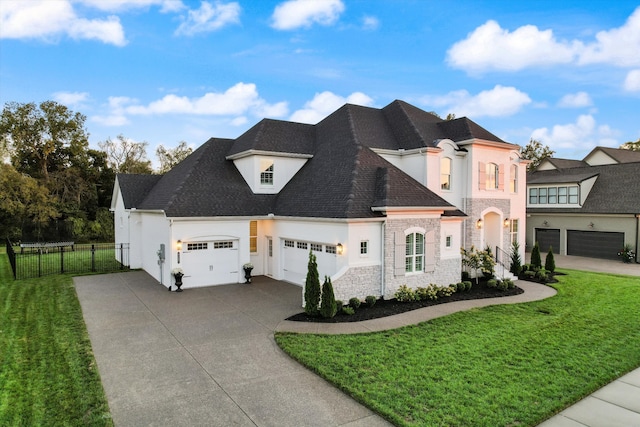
[[186, 176], [401, 105]]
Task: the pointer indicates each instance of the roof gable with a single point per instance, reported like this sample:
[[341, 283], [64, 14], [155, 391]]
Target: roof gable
[[135, 187], [608, 156]]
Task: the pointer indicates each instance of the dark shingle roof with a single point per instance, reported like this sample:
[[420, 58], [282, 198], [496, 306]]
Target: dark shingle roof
[[566, 163], [618, 154], [617, 189], [343, 177], [135, 187]]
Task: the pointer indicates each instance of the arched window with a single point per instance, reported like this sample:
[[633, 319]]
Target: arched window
[[513, 179], [414, 258], [445, 173], [492, 176]]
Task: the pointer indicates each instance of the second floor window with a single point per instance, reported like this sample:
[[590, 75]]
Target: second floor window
[[513, 179], [266, 174], [492, 176], [445, 173]]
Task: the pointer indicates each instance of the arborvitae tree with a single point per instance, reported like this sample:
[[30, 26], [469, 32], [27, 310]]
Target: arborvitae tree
[[550, 262], [329, 308], [536, 261], [516, 260], [312, 287]]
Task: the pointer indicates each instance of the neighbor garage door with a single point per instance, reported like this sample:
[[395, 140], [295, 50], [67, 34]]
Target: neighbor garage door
[[546, 238], [296, 260], [594, 244], [210, 263]]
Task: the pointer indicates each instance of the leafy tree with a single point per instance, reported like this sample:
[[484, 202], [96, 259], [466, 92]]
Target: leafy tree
[[42, 138], [450, 116], [126, 156], [550, 262], [516, 260], [472, 259], [312, 287], [169, 157], [536, 260], [24, 202], [633, 146], [535, 152], [329, 307]]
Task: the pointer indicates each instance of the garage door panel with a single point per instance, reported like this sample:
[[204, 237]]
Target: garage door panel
[[211, 263], [548, 237], [594, 244], [296, 261]]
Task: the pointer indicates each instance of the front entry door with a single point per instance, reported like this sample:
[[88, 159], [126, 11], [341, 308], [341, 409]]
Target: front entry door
[[269, 256]]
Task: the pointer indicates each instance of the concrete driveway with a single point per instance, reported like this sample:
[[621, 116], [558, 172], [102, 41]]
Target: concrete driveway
[[205, 356]]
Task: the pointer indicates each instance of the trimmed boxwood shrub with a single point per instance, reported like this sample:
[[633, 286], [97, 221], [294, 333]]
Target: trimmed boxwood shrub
[[493, 283], [467, 285], [355, 303], [370, 300]]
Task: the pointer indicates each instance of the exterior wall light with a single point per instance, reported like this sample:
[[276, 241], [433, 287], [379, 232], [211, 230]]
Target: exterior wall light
[[545, 223], [339, 249], [479, 223], [591, 225], [507, 221], [179, 248]]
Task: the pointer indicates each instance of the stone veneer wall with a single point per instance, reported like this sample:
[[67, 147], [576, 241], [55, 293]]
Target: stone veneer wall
[[358, 282], [475, 207], [446, 271]]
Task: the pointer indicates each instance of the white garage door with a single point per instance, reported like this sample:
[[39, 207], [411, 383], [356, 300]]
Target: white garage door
[[210, 263], [296, 260]]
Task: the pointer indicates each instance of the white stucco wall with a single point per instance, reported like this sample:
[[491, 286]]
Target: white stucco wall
[[284, 168]]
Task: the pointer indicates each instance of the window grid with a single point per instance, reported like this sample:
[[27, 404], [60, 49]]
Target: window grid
[[513, 184], [554, 195], [414, 259], [448, 241], [445, 174], [223, 245], [493, 179], [513, 230], [266, 176], [316, 247], [253, 236], [289, 244], [330, 249], [197, 246], [364, 247], [302, 245]]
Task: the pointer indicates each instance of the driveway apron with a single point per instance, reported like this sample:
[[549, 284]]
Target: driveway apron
[[205, 356]]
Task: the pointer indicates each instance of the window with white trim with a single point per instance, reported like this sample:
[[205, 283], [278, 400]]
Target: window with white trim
[[554, 195], [513, 230], [414, 258], [448, 241], [364, 247], [316, 247], [197, 246], [289, 244], [253, 236], [492, 176], [513, 179], [445, 173], [266, 172], [302, 245], [223, 245]]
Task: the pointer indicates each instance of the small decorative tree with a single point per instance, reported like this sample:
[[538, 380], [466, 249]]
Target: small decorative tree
[[471, 259], [516, 260], [550, 262], [312, 287], [536, 261], [329, 308], [488, 263]]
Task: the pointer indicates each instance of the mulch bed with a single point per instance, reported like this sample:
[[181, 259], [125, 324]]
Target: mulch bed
[[383, 308]]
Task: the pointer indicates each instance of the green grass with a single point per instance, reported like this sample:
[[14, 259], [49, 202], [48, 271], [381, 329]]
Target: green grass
[[509, 365], [48, 375]]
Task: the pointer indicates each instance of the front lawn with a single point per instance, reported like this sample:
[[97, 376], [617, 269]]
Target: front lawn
[[48, 375], [508, 365]]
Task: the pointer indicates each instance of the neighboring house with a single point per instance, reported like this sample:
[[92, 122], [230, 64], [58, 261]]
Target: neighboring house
[[588, 207], [382, 197]]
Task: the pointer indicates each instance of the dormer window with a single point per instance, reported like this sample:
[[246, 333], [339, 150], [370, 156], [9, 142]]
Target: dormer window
[[266, 172]]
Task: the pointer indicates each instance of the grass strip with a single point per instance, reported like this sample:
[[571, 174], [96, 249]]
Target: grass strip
[[48, 374], [508, 365]]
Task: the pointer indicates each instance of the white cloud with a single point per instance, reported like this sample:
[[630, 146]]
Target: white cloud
[[116, 117], [583, 134], [326, 103], [294, 14], [49, 20], [618, 46], [123, 5], [632, 81], [238, 100], [370, 23], [490, 47], [497, 102], [209, 18], [71, 99], [576, 100]]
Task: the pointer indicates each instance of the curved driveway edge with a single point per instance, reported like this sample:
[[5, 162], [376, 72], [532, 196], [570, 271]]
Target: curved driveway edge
[[532, 292]]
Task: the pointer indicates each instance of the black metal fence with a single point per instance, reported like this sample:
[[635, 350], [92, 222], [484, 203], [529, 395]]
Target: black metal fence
[[30, 260]]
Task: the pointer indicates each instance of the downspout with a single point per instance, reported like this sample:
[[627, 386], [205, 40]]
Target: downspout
[[384, 247]]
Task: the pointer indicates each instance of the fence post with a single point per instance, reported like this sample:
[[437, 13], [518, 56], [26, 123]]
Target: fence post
[[61, 259], [93, 257], [39, 262]]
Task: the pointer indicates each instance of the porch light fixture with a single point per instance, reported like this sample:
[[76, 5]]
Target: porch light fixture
[[179, 248], [507, 221], [479, 223], [339, 249]]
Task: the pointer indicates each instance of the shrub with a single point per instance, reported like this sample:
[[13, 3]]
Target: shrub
[[536, 261], [627, 254], [312, 288], [467, 285], [542, 275], [488, 262], [509, 283], [405, 294], [355, 303], [348, 310], [370, 300], [339, 304], [465, 276], [445, 291], [428, 293], [550, 262], [329, 307], [492, 283], [529, 274], [516, 260], [454, 286], [502, 285]]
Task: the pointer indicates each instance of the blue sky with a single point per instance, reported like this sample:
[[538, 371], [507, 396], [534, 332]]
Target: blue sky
[[163, 71]]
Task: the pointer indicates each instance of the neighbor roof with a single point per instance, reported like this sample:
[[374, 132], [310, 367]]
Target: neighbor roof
[[618, 154], [343, 177]]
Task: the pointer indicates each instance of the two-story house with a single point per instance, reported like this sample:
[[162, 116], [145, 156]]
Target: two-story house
[[382, 197], [588, 207]]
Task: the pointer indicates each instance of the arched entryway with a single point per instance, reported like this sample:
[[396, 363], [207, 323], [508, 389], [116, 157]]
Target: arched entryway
[[492, 231]]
